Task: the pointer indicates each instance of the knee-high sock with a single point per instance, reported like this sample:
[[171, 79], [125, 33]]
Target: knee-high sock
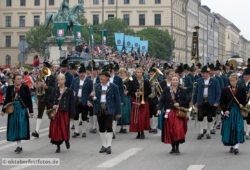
[[151, 123], [94, 122], [71, 123], [209, 125], [38, 124], [155, 122], [201, 126], [236, 146], [247, 129], [76, 123], [91, 121], [205, 123], [103, 139], [114, 125], [84, 126], [109, 139], [19, 143]]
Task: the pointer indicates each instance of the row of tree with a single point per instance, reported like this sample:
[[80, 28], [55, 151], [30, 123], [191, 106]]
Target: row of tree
[[161, 44]]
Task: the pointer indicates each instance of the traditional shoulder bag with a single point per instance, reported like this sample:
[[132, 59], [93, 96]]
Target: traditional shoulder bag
[[52, 112], [179, 112], [9, 107], [243, 110]]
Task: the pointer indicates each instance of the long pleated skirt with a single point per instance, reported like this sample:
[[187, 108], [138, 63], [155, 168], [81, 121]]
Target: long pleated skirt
[[18, 127], [232, 130], [140, 117], [59, 128], [174, 129], [126, 110]]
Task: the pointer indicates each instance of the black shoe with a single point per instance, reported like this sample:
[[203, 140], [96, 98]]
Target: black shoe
[[177, 152], [35, 134], [113, 135], [154, 131], [58, 150], [142, 136], [102, 150], [231, 150], [218, 126], [150, 130], [73, 127], [84, 135], [124, 131], [236, 151], [92, 131], [208, 136], [200, 136], [67, 144], [172, 151], [80, 123], [138, 135], [204, 131], [75, 135], [213, 131], [18, 150], [108, 150]]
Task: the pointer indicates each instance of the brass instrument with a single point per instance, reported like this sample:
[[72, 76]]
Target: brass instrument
[[139, 100], [233, 62], [157, 90], [142, 91], [44, 72], [245, 109], [128, 78], [182, 111]]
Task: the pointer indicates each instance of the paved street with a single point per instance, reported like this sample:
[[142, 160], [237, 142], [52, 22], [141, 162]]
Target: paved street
[[128, 153]]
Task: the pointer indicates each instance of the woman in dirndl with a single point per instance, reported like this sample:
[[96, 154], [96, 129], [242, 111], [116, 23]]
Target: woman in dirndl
[[126, 107], [232, 130], [18, 121], [174, 127], [64, 105], [140, 116]]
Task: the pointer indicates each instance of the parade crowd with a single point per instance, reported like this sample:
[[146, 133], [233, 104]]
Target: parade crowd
[[127, 96]]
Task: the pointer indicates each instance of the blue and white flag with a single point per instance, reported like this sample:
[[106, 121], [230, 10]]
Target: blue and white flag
[[136, 43], [143, 47], [128, 43], [119, 40]]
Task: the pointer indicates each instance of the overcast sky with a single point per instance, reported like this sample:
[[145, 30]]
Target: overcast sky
[[236, 11]]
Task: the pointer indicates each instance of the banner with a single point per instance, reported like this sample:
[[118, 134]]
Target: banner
[[128, 43], [119, 41], [136, 43], [77, 29], [143, 47], [91, 37], [104, 34]]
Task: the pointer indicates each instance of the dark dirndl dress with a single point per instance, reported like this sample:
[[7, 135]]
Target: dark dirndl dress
[[174, 129], [139, 120], [232, 130], [18, 127], [59, 128], [126, 110]]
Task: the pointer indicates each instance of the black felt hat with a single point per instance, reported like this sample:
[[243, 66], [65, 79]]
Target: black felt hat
[[186, 67], [82, 69], [211, 66], [72, 66], [64, 63], [105, 71], [246, 71], [179, 69], [205, 69], [47, 64]]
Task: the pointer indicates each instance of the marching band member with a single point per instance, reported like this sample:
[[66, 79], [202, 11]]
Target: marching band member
[[83, 86], [206, 99], [95, 79], [106, 106], [232, 130], [118, 81], [69, 77], [140, 116], [174, 127], [126, 107], [65, 109], [168, 74], [18, 127], [45, 99], [246, 77]]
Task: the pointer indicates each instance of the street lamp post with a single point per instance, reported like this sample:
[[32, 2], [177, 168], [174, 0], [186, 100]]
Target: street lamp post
[[102, 11], [195, 45]]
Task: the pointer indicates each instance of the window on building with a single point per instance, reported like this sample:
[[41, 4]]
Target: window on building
[[7, 41], [8, 2], [36, 20], [21, 38], [7, 60], [126, 1], [51, 2], [95, 2], [67, 1], [111, 16], [141, 19], [126, 18], [95, 19], [21, 21], [141, 1], [7, 21], [37, 2], [157, 19], [111, 2], [22, 2], [157, 1]]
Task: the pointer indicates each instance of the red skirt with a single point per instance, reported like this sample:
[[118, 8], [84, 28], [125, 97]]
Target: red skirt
[[59, 128], [174, 129], [140, 117]]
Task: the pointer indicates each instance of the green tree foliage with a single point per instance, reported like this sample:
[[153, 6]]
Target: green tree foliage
[[160, 42], [36, 38]]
